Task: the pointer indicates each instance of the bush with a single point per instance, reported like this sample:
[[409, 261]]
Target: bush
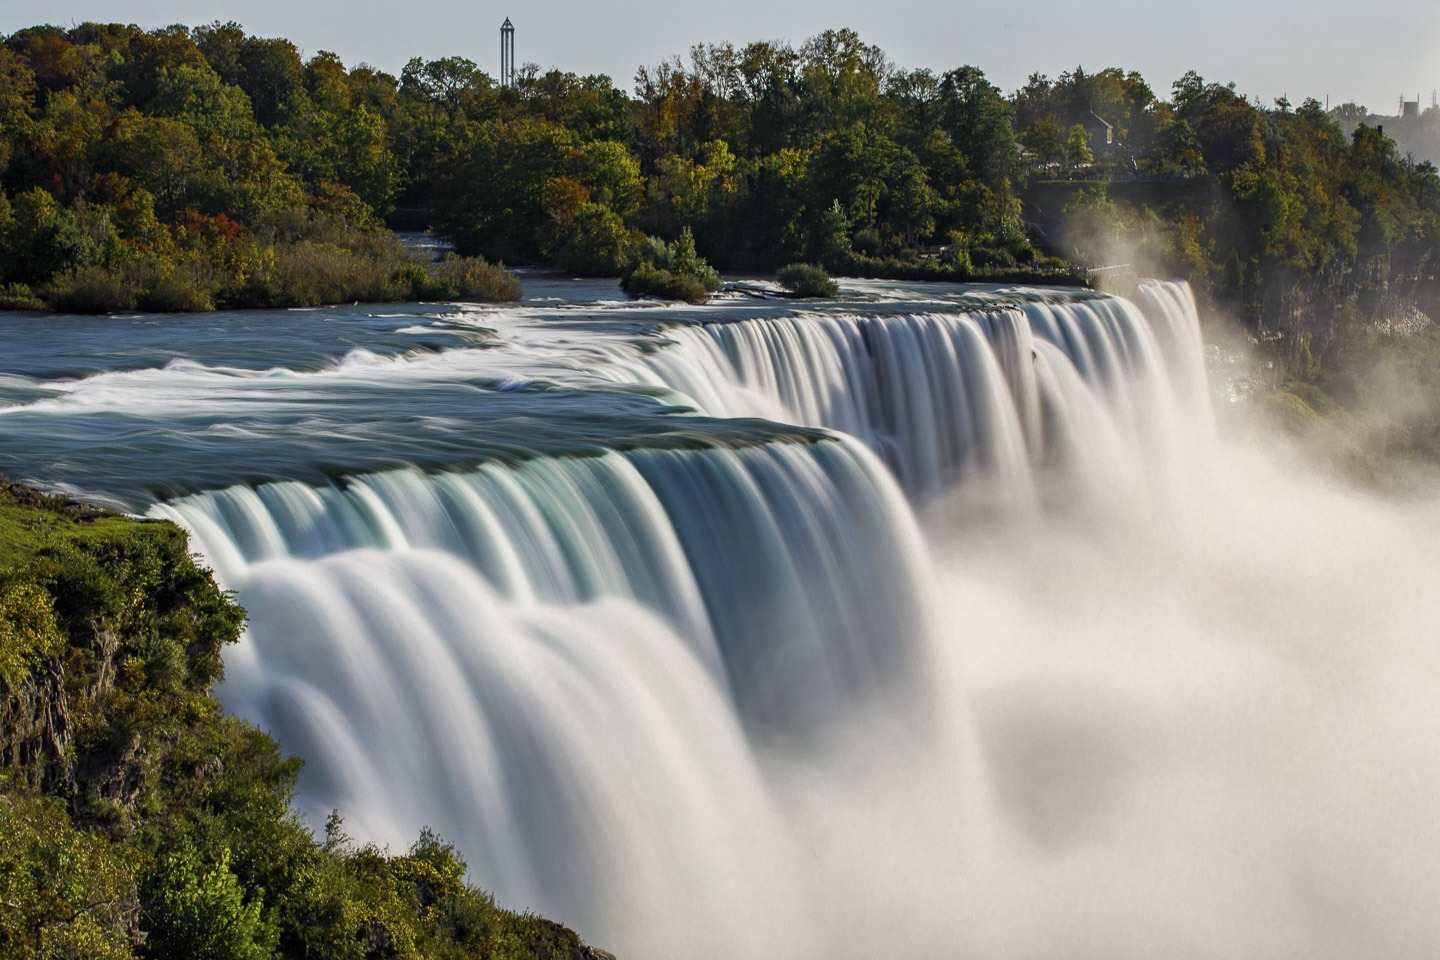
[[958, 260], [18, 296], [649, 281], [867, 242], [189, 288], [66, 893], [994, 258], [592, 243], [28, 632], [310, 274], [469, 280], [91, 290], [807, 280], [671, 271], [201, 912]]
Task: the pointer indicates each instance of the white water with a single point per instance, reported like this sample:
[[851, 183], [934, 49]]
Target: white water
[[732, 703]]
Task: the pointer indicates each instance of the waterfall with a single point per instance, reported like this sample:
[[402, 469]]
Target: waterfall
[[585, 668], [981, 396]]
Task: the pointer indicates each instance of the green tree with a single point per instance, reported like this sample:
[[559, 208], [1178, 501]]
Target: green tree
[[200, 911], [612, 175], [593, 242], [491, 201], [978, 119], [1077, 148], [165, 157]]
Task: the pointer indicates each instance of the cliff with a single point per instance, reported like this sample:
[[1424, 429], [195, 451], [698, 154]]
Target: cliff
[[137, 819]]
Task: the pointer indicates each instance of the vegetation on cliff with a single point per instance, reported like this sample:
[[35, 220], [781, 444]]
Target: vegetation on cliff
[[138, 820]]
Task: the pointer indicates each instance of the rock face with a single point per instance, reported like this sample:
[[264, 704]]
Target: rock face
[[38, 731], [35, 728], [106, 626]]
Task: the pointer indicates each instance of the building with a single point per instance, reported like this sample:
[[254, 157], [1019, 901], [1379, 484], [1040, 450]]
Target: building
[[1101, 133]]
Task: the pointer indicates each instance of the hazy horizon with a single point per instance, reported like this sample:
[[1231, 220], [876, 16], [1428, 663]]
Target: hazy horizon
[[1388, 51]]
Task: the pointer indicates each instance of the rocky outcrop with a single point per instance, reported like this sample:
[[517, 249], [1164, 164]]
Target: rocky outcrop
[[35, 727]]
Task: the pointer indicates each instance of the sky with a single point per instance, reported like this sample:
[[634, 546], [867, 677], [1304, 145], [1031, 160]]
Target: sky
[[1337, 49]]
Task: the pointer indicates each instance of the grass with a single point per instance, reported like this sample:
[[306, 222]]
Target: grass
[[31, 521]]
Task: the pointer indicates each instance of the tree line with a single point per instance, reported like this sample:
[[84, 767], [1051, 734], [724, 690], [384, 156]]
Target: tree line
[[1274, 214], [208, 167]]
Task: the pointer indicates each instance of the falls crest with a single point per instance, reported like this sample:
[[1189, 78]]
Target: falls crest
[[949, 397]]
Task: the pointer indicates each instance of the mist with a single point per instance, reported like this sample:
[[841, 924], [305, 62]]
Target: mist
[[1200, 724]]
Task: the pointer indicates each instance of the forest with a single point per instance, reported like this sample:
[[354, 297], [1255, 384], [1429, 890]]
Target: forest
[[185, 169]]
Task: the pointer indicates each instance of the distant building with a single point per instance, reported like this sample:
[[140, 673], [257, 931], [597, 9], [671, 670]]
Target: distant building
[[1102, 134], [1409, 108]]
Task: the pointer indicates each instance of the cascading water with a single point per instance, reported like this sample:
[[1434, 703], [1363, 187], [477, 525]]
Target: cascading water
[[565, 665], [791, 571], [632, 605], [986, 395], [579, 667]]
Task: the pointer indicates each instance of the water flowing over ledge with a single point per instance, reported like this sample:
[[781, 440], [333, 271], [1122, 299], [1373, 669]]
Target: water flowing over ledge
[[591, 597], [982, 396]]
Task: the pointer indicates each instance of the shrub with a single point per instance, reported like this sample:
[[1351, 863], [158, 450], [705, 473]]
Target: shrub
[[649, 281], [867, 242], [18, 296], [28, 632], [958, 260], [807, 280], [202, 912], [592, 243], [66, 893], [309, 274], [189, 288], [91, 290], [470, 280], [671, 271], [411, 278], [993, 257]]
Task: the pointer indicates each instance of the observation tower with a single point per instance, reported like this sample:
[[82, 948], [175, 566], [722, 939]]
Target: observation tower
[[507, 53]]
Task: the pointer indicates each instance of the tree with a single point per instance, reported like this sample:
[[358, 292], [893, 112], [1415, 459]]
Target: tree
[[592, 242], [164, 156], [17, 94], [1077, 148], [612, 175], [1045, 139], [200, 911], [909, 200], [1231, 134], [841, 77], [978, 119], [491, 201]]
